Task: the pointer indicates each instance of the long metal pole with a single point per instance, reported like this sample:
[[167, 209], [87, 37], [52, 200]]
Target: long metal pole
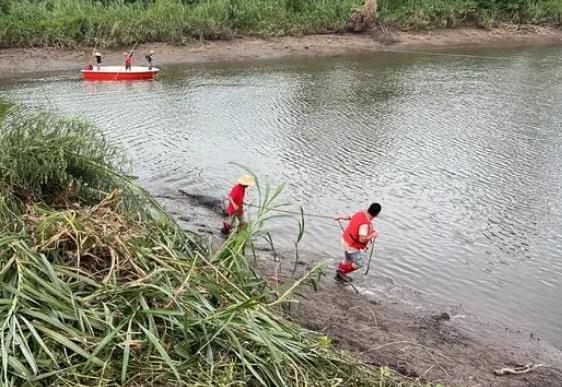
[[370, 258]]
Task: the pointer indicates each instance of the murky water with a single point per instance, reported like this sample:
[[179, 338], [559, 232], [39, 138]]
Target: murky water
[[463, 152]]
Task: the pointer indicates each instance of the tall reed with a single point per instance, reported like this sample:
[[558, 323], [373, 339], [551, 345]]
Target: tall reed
[[108, 23], [420, 14], [114, 23]]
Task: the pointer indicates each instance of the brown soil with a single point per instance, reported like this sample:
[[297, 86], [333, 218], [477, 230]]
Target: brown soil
[[421, 342], [402, 330], [14, 62]]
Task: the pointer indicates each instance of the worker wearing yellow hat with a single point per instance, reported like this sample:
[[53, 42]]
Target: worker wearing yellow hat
[[235, 208], [97, 55]]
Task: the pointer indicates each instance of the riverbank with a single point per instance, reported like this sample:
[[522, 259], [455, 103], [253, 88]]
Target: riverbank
[[126, 296], [427, 343], [112, 23], [21, 61], [399, 329]]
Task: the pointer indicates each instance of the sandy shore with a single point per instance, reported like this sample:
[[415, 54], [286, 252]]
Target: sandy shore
[[17, 62]]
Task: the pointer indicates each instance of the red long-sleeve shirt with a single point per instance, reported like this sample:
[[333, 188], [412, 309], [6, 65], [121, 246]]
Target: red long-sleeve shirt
[[236, 195]]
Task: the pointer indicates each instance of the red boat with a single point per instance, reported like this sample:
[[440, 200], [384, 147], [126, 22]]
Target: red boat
[[118, 73]]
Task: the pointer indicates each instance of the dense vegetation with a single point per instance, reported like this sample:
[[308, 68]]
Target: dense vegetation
[[99, 286], [69, 22], [125, 22], [417, 14]]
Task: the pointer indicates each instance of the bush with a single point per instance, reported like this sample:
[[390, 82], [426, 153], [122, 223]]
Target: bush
[[415, 14]]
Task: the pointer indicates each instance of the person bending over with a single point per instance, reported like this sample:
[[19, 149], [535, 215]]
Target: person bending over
[[355, 239], [235, 206]]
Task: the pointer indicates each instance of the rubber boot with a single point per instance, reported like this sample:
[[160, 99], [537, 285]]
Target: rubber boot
[[226, 228], [341, 278], [343, 269]]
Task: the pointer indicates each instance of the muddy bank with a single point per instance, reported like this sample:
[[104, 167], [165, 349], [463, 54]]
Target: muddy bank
[[423, 342], [394, 327], [16, 62]]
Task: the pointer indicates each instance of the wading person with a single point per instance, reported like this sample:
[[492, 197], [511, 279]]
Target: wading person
[[97, 55], [149, 57], [235, 206], [356, 238], [128, 60]]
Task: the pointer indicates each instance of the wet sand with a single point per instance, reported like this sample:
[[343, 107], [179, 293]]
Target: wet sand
[[424, 342], [22, 61]]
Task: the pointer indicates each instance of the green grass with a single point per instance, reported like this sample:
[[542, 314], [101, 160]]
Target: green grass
[[111, 23], [115, 23], [421, 14], [4, 106], [99, 286]]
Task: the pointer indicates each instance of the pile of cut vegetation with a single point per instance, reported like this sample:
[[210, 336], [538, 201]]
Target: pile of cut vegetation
[[99, 286]]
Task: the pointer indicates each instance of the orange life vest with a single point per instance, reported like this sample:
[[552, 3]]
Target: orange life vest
[[351, 233]]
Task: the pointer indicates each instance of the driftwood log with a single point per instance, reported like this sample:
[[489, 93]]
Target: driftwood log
[[518, 370]]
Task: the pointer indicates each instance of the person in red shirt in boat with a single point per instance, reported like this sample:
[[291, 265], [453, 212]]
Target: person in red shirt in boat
[[235, 206], [356, 238], [128, 60]]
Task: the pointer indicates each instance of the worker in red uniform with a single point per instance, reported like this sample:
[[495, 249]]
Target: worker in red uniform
[[235, 203], [356, 238], [128, 60]]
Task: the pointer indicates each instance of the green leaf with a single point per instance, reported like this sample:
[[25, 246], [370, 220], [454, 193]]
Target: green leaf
[[126, 352], [161, 351], [21, 340], [19, 367], [106, 340], [70, 345], [39, 340]]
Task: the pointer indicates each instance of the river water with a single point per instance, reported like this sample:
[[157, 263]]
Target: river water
[[463, 149]]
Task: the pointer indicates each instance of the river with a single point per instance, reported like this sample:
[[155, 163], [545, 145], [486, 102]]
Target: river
[[462, 148]]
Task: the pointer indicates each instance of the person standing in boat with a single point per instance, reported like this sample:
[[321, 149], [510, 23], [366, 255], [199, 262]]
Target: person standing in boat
[[235, 206], [97, 55], [128, 60], [356, 238], [149, 57]]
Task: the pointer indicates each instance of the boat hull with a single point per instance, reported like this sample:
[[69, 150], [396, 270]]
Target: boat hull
[[118, 73]]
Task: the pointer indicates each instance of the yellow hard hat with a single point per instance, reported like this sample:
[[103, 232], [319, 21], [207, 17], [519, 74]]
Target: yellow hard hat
[[247, 180]]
